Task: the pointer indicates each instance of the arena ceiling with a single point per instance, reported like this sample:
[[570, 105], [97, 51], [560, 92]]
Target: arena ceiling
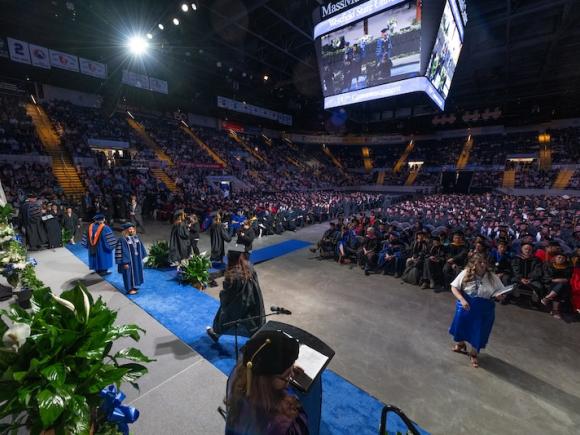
[[517, 53]]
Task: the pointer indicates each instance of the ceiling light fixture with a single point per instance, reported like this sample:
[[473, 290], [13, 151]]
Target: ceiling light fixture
[[176, 21], [184, 7]]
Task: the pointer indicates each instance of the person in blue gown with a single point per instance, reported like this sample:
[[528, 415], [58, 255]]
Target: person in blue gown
[[100, 240], [475, 289], [129, 256]]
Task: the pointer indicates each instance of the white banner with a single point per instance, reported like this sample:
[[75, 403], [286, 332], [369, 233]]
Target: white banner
[[61, 60], [238, 106], [39, 56], [158, 85], [92, 68], [135, 79], [18, 50]]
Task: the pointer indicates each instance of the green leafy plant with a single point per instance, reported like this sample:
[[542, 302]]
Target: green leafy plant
[[6, 213], [66, 236], [195, 270], [158, 256], [57, 358]]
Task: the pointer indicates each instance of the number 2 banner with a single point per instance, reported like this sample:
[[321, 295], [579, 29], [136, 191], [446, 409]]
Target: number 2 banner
[[18, 50]]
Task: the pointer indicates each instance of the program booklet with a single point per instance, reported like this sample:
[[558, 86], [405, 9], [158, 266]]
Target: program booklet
[[312, 362], [508, 289]]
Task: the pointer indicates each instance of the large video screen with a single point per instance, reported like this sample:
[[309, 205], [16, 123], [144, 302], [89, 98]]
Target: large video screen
[[373, 51], [445, 53]]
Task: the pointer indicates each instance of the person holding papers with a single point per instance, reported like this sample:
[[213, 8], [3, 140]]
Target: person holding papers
[[258, 400], [475, 288]]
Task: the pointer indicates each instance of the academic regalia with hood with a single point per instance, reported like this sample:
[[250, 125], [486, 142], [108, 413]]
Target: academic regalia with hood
[[130, 250], [100, 241], [218, 236], [179, 243], [240, 299]]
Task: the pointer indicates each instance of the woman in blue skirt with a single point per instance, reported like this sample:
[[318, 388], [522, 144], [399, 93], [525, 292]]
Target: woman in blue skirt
[[474, 289]]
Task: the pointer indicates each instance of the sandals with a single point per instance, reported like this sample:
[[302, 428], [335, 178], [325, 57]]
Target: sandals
[[474, 360], [460, 348]]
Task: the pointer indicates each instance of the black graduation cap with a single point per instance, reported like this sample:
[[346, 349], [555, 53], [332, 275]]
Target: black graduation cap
[[270, 353], [234, 255]]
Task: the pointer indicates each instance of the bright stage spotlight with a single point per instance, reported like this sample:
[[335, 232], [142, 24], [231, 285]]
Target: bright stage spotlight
[[137, 45], [149, 36], [193, 7], [176, 21], [161, 26], [184, 7], [266, 77]]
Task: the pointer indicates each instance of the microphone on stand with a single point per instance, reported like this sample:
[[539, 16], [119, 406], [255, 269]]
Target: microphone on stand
[[280, 310]]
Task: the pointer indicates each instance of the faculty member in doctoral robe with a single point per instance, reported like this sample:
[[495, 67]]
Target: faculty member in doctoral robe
[[31, 223], [52, 226], [100, 241], [129, 255], [241, 298]]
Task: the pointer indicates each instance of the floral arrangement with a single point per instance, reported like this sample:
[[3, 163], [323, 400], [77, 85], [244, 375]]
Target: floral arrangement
[[57, 371], [195, 270]]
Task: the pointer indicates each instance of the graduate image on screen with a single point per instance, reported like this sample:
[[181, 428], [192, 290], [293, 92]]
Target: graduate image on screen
[[377, 50], [445, 53]]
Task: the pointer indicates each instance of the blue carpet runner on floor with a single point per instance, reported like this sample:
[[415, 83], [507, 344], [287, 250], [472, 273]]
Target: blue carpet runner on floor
[[268, 253], [185, 311]]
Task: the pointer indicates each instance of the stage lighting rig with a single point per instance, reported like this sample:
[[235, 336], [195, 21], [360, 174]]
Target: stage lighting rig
[[137, 45]]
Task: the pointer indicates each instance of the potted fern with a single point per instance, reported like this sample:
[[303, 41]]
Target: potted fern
[[158, 256], [195, 271], [57, 371]]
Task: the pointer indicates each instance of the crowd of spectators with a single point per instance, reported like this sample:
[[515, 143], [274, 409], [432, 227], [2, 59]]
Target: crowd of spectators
[[531, 242], [17, 133]]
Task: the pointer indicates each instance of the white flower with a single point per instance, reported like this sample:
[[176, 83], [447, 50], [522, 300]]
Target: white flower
[[19, 266], [64, 302], [87, 305], [16, 336]]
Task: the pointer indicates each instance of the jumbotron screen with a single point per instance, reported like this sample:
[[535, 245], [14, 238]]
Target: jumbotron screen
[[376, 50], [369, 50]]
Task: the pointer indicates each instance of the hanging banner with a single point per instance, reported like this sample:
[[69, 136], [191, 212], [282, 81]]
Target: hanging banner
[[158, 85], [239, 106], [135, 79], [39, 56], [18, 50], [61, 60], [93, 69], [4, 48]]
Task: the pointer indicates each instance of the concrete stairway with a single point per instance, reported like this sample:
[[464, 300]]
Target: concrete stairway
[[63, 167], [563, 178], [464, 156], [403, 159], [412, 176], [215, 157], [509, 179], [367, 161], [246, 146], [381, 178], [158, 173]]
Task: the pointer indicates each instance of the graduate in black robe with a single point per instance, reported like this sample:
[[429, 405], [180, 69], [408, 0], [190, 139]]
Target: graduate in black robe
[[218, 236], [70, 223], [241, 298], [31, 222], [179, 242], [246, 236], [53, 228], [194, 230]]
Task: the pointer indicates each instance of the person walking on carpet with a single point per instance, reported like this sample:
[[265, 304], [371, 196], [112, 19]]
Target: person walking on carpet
[[474, 289], [241, 298], [100, 241], [129, 256]]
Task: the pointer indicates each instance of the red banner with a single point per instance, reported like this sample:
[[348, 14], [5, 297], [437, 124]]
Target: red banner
[[228, 125]]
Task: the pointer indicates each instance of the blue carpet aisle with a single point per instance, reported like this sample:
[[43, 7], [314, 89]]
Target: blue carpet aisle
[[186, 312]]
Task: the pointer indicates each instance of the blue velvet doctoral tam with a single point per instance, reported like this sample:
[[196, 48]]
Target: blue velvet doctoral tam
[[130, 251]]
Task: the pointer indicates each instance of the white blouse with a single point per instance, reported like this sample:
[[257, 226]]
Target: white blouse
[[480, 287]]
